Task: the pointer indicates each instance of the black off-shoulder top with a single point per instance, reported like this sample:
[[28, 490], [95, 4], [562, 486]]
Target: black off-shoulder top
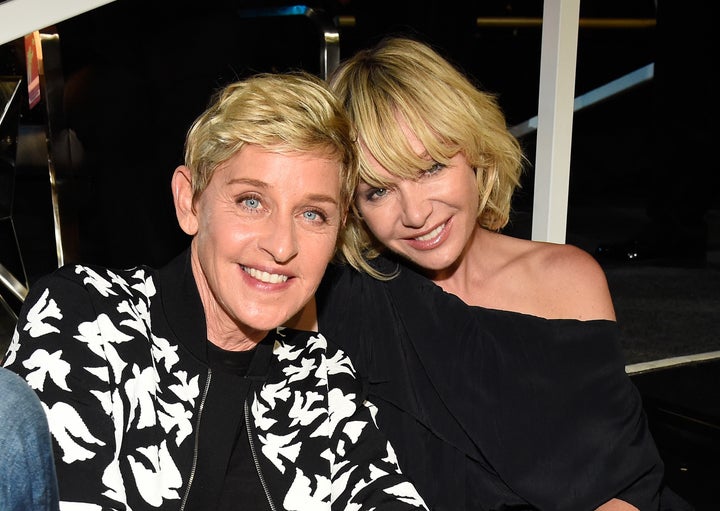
[[491, 409]]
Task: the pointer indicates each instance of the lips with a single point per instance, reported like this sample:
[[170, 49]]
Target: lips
[[431, 234], [266, 277], [431, 239]]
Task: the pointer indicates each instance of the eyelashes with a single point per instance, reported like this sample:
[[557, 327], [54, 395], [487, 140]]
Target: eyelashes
[[378, 192], [253, 204]]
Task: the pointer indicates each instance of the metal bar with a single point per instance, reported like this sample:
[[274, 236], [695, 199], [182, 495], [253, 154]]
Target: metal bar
[[522, 22], [612, 88], [528, 22], [17, 288], [5, 307], [652, 365], [330, 49], [329, 35]]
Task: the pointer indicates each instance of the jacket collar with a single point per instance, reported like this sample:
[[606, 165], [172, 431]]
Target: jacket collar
[[181, 305]]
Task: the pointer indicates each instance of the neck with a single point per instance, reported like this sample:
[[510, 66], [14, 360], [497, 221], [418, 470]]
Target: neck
[[222, 331], [461, 277]]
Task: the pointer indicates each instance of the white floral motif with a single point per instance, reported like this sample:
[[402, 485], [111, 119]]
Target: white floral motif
[[43, 309], [163, 350], [117, 279], [95, 280], [100, 335], [354, 429], [140, 390], [339, 364], [117, 415], [14, 346], [47, 364], [406, 493], [272, 391], [300, 372], [286, 351], [262, 421], [317, 342], [275, 446], [139, 316], [302, 412], [66, 425], [341, 407], [172, 415], [146, 285], [302, 496], [105, 400], [159, 482], [113, 480], [187, 391]]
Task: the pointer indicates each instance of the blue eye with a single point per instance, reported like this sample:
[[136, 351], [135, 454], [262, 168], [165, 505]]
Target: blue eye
[[377, 193], [434, 169], [251, 202], [316, 216]]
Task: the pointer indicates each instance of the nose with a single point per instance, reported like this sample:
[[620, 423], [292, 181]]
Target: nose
[[416, 207], [280, 239]]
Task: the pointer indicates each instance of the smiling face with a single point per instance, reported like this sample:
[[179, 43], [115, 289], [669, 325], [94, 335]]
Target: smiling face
[[263, 232], [428, 220]]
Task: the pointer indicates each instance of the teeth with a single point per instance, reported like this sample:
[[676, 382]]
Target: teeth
[[432, 234], [263, 276]]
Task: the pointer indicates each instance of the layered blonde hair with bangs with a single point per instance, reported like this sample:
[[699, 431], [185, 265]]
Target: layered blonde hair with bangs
[[405, 81], [283, 112]]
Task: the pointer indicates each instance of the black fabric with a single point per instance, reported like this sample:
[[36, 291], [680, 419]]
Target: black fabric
[[224, 477], [491, 409], [241, 487], [233, 362]]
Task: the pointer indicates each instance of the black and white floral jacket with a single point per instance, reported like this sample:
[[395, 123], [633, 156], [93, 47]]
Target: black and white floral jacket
[[118, 359]]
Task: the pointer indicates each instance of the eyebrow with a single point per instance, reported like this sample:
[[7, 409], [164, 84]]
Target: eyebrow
[[315, 197], [318, 197]]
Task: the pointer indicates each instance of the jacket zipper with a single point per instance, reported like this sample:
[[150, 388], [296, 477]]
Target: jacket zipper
[[255, 458], [197, 440]]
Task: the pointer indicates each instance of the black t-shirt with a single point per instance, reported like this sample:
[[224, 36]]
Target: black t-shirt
[[242, 488]]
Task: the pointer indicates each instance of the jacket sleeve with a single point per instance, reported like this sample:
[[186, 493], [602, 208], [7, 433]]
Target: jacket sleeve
[[58, 348], [365, 472]]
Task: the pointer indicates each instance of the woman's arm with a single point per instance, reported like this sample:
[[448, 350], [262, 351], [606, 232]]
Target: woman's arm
[[56, 348]]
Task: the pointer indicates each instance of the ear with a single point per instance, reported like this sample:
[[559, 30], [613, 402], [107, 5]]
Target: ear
[[183, 198]]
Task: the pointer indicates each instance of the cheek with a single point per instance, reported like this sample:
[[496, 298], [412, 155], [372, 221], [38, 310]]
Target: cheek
[[377, 219]]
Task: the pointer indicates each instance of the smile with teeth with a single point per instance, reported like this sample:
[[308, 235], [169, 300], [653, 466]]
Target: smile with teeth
[[431, 234], [263, 276]]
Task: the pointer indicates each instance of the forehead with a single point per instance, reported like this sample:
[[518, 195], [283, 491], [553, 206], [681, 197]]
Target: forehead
[[412, 139], [400, 154], [286, 172]]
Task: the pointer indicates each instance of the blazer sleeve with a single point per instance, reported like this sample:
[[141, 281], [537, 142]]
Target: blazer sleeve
[[57, 347], [365, 472]]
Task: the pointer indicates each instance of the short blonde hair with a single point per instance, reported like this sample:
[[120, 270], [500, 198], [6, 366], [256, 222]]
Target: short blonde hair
[[285, 112], [406, 79]]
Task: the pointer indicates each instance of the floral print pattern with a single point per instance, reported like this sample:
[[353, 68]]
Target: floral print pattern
[[123, 398]]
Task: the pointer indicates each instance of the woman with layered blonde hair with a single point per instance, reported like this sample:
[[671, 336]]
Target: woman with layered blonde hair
[[494, 361]]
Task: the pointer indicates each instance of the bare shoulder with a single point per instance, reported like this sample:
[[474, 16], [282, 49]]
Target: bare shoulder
[[572, 280]]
